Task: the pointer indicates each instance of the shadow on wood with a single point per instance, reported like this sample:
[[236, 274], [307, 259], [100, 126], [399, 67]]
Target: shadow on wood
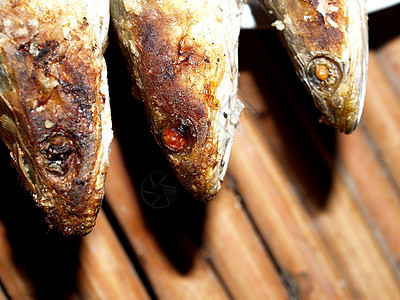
[[287, 114], [177, 225]]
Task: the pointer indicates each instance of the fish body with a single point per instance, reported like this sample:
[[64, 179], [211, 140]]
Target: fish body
[[54, 106], [328, 43], [183, 59]]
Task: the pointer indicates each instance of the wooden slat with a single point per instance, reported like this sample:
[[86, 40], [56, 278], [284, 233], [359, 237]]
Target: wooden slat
[[353, 245], [388, 57], [101, 256], [196, 283], [284, 224], [16, 283], [105, 270], [3, 296], [375, 192], [382, 117], [345, 231], [343, 227], [237, 252]]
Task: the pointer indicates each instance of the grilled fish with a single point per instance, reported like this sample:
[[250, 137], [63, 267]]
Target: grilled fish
[[328, 43], [54, 106], [183, 59]]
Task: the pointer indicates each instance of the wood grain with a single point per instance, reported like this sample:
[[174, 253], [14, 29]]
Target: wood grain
[[388, 57], [2, 295], [237, 252], [382, 100], [102, 256], [376, 196], [283, 222]]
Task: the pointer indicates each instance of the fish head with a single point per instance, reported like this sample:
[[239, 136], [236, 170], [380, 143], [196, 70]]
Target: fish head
[[60, 163], [62, 166], [185, 79], [184, 121], [54, 117], [63, 178], [328, 43], [197, 143]]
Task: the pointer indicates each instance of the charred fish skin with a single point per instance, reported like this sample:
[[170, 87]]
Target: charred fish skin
[[54, 107], [183, 60], [328, 43]]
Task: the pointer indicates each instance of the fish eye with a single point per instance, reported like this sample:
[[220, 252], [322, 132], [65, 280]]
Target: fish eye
[[58, 149], [178, 136], [324, 74]]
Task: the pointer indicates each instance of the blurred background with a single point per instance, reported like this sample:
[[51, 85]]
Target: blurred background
[[305, 212]]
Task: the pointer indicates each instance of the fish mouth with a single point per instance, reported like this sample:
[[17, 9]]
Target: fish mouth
[[72, 207], [74, 214], [202, 184], [345, 116], [344, 119]]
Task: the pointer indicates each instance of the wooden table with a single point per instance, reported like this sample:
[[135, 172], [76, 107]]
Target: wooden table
[[305, 212]]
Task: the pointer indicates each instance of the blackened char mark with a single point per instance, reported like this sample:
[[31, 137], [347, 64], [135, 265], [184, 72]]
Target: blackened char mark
[[164, 62]]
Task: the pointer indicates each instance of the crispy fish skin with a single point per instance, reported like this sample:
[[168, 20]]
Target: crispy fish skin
[[328, 43], [183, 59], [54, 107]]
